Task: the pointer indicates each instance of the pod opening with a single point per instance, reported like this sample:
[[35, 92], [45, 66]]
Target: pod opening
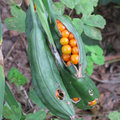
[[60, 94], [70, 50], [92, 103], [75, 100]]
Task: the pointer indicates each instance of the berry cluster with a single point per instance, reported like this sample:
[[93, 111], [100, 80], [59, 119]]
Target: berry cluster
[[70, 51]]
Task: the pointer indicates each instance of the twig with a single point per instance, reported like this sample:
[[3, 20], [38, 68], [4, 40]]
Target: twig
[[27, 97], [109, 33], [111, 58], [105, 81], [24, 42], [10, 51]]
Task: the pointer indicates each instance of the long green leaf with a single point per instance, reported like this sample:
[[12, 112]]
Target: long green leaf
[[10, 99], [43, 18], [2, 76]]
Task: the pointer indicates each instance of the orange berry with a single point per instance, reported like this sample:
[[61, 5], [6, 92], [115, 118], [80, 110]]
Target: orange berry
[[66, 49], [73, 43], [91, 103], [58, 21], [65, 33], [71, 36], [68, 63], [75, 50], [61, 27], [65, 57], [64, 41], [75, 59]]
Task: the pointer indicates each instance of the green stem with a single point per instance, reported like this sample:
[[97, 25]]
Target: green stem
[[112, 61], [70, 12]]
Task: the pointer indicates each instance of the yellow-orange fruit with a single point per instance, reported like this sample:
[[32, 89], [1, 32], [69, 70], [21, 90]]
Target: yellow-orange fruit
[[64, 41], [65, 57], [58, 21], [73, 43], [68, 63], [65, 33], [71, 36], [61, 27], [66, 49], [75, 59], [91, 103], [75, 50]]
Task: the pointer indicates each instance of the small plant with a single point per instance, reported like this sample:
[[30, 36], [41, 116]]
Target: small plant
[[115, 115], [16, 77]]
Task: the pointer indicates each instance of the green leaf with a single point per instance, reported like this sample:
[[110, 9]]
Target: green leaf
[[40, 115], [96, 54], [17, 22], [12, 113], [114, 115], [68, 17], [92, 32], [97, 59], [2, 75], [94, 21], [2, 89], [78, 25], [89, 68], [10, 99], [58, 8], [70, 3], [89, 41], [0, 31], [35, 99], [16, 77], [86, 6]]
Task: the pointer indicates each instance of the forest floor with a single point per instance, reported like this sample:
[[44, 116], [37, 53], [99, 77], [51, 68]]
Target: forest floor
[[106, 77]]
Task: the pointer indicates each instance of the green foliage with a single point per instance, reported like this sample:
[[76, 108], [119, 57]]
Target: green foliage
[[85, 6], [95, 55], [94, 21], [0, 31], [13, 113], [35, 99], [40, 115], [78, 24], [92, 32], [70, 3], [88, 24], [17, 22], [81, 6], [58, 7], [2, 76], [16, 77], [89, 68], [114, 115]]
